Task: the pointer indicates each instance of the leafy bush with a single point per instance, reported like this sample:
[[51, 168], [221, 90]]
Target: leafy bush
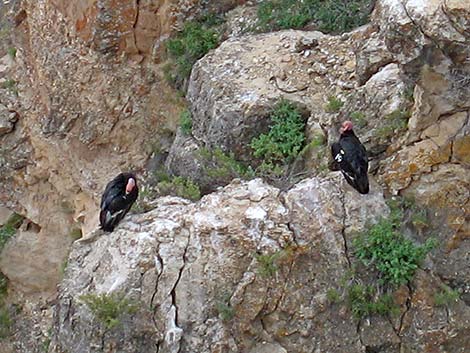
[[364, 301], [186, 122], [334, 105], [394, 256], [329, 15], [285, 138], [179, 186], [108, 308], [189, 45], [12, 52]]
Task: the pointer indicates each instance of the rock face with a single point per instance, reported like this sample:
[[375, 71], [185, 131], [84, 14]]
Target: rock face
[[83, 98], [200, 287], [132, 27]]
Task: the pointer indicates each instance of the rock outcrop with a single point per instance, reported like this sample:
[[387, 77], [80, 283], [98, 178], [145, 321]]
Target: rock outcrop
[[200, 285]]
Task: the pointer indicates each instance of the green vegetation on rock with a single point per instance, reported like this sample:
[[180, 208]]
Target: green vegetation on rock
[[186, 122], [178, 186], [220, 165], [331, 16], [385, 248], [8, 230], [190, 44], [364, 301], [334, 105], [446, 296], [285, 139], [108, 309]]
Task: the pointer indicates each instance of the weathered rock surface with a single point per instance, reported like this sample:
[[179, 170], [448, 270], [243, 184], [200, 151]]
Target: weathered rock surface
[[182, 261]]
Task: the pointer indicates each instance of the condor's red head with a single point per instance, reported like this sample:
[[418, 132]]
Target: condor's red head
[[346, 126], [130, 185]]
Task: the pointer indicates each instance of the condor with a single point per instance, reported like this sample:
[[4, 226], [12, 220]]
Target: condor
[[117, 199]]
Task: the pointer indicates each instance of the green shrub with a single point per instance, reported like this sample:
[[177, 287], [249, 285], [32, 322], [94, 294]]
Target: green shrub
[[285, 138], [108, 308], [394, 256], [186, 122], [363, 301], [334, 105], [446, 296], [337, 16], [224, 165], [329, 15], [178, 186], [189, 45], [8, 230]]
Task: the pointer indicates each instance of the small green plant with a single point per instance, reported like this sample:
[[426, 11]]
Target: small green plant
[[3, 287], [359, 119], [186, 122], [75, 233], [334, 105], [10, 85], [5, 321], [395, 121], [12, 52], [108, 309], [395, 257], [8, 230], [225, 310], [337, 16], [446, 296], [189, 45], [268, 263], [179, 186], [363, 301], [285, 139], [329, 15], [333, 296], [408, 94], [224, 165], [317, 141]]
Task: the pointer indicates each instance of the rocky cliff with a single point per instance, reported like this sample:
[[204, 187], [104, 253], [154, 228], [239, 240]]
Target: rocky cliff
[[85, 83]]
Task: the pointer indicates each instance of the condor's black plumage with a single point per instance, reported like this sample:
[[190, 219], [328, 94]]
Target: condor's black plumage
[[351, 157], [117, 200]]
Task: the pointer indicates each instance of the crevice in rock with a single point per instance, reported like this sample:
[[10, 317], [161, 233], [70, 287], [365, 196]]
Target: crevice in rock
[[408, 307], [420, 29], [343, 229], [173, 290], [134, 25]]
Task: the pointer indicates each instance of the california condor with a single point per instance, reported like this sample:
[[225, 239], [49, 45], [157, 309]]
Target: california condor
[[117, 199], [351, 156]]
